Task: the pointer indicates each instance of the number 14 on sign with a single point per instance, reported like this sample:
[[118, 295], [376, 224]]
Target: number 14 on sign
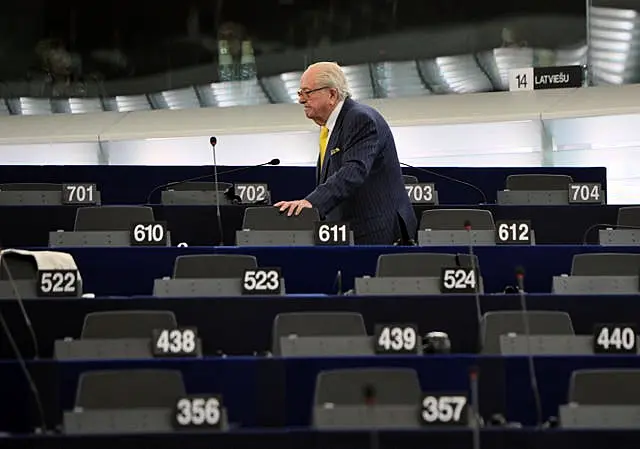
[[521, 79]]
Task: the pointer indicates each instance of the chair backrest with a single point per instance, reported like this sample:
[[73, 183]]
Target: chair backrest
[[391, 386], [538, 182], [20, 267], [503, 322], [420, 264], [410, 179], [212, 266], [111, 218], [201, 186], [606, 264], [629, 216], [454, 219], [126, 323], [30, 187], [316, 324], [605, 387], [128, 389], [269, 218]]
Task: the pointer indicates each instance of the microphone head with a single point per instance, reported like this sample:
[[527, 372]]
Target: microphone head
[[275, 161], [519, 272], [369, 394], [467, 224], [213, 141]]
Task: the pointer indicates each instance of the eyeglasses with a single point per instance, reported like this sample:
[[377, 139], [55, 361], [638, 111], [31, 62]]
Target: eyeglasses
[[306, 92]]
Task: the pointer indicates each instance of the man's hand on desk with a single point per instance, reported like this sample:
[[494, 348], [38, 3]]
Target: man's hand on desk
[[293, 207]]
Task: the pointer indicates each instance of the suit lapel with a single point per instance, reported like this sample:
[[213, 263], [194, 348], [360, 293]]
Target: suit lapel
[[335, 133]]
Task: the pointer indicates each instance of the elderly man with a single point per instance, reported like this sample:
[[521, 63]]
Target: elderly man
[[358, 174]]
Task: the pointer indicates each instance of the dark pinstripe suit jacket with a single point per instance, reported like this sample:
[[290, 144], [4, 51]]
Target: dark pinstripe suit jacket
[[361, 180]]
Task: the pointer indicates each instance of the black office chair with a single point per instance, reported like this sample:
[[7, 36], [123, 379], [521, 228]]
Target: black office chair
[[111, 218], [129, 389], [538, 182], [629, 216], [410, 179], [201, 186], [606, 264], [126, 323], [271, 219], [455, 219], [316, 324], [213, 266], [421, 264], [503, 322], [30, 187]]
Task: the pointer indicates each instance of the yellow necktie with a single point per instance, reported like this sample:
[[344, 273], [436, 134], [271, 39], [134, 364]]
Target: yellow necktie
[[324, 140]]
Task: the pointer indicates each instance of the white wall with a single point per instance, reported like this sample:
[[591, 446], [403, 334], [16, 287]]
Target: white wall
[[581, 127]]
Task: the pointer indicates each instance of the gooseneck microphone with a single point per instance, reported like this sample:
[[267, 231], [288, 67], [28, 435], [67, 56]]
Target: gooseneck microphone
[[338, 283], [275, 161], [476, 274], [213, 141], [16, 349], [527, 331], [449, 178], [475, 398], [473, 373], [370, 396], [23, 311], [605, 225]]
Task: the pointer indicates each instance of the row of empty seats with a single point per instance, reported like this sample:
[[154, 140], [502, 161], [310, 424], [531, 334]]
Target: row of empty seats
[[217, 275], [120, 218], [265, 226], [133, 334], [521, 189], [362, 398]]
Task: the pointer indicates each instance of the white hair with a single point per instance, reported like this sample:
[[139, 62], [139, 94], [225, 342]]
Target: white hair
[[331, 75]]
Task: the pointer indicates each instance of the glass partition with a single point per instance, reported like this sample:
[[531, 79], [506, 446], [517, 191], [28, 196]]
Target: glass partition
[[69, 56], [614, 41]]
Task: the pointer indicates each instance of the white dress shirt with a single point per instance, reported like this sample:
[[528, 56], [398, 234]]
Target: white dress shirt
[[331, 122]]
